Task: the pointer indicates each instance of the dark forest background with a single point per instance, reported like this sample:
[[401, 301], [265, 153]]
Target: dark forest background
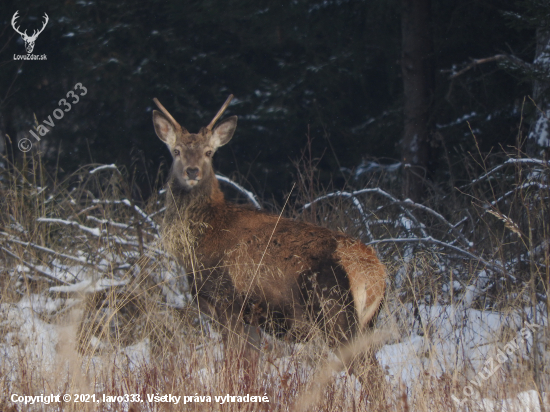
[[380, 81]]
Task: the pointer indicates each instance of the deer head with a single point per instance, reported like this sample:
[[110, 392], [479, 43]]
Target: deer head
[[29, 40], [192, 152]]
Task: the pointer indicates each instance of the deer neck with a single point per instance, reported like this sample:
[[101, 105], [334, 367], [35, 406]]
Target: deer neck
[[188, 215], [193, 206]]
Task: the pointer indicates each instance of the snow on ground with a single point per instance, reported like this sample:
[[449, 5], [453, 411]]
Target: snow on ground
[[460, 338], [452, 337], [524, 401], [27, 339], [455, 337]]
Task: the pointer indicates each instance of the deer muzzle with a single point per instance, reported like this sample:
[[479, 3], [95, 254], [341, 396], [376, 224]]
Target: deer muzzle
[[193, 173]]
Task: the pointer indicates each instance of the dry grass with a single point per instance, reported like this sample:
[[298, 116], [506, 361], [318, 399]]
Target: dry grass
[[133, 329]]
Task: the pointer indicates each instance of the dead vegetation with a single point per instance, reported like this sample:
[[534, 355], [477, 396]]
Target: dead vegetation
[[91, 303]]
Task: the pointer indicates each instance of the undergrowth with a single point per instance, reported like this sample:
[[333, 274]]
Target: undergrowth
[[92, 304]]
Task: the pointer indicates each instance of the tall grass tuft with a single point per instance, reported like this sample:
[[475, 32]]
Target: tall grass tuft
[[92, 304]]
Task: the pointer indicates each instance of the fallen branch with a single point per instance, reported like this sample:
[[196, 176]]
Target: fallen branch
[[507, 162], [377, 190], [430, 239], [92, 230], [122, 226], [157, 212], [13, 239], [105, 167], [241, 189], [100, 234], [31, 266], [496, 58], [452, 227], [126, 202], [527, 185]]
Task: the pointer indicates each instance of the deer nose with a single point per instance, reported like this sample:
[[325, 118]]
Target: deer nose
[[192, 172]]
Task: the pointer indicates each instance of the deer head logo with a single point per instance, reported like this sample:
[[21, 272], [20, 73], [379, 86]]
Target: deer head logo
[[29, 40]]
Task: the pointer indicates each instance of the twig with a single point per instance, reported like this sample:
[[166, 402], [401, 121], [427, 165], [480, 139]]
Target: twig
[[498, 57], [452, 227], [31, 266], [92, 230], [476, 62], [13, 239], [507, 162], [355, 201], [123, 226], [105, 167], [521, 187], [465, 218], [157, 212], [430, 239], [126, 202], [241, 189], [370, 190], [142, 213], [97, 233]]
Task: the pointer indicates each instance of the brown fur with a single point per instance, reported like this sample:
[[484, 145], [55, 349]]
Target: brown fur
[[267, 270]]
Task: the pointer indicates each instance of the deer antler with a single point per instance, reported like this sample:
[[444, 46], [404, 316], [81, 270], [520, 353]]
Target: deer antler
[[24, 34], [37, 32], [13, 22], [167, 114], [220, 112]]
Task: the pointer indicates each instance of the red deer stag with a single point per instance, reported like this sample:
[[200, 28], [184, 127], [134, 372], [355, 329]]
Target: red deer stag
[[247, 265]]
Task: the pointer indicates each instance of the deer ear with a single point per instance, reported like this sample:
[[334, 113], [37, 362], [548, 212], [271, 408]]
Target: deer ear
[[223, 132], [164, 129]]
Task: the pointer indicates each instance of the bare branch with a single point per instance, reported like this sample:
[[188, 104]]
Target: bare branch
[[105, 167], [507, 162], [241, 189], [452, 227], [126, 202], [31, 266], [100, 234], [92, 230], [355, 201], [369, 190], [429, 239], [496, 58], [13, 239]]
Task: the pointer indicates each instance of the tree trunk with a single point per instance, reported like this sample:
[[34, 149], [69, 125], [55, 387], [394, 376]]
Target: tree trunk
[[538, 141], [418, 86]]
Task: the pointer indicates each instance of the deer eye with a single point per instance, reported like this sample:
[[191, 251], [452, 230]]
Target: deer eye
[[176, 152], [209, 153]]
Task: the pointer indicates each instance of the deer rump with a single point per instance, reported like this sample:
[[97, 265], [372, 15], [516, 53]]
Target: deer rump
[[284, 275]]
